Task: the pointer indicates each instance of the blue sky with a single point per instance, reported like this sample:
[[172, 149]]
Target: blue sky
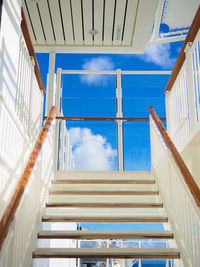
[[95, 143]]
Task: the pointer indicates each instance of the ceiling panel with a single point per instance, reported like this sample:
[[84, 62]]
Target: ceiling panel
[[77, 21], [29, 25], [67, 21], [108, 21], [87, 21], [98, 20], [43, 7], [130, 21], [32, 8], [57, 21], [119, 21]]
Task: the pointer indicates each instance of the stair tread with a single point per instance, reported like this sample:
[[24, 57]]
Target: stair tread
[[104, 181], [106, 253], [103, 192], [105, 204], [105, 234], [104, 218]]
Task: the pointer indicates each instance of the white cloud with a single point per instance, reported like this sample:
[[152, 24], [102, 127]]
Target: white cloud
[[159, 55], [96, 63], [91, 152]]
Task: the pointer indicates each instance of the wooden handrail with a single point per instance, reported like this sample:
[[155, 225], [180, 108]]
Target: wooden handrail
[[29, 44], [102, 118], [181, 58], [193, 187], [19, 190]]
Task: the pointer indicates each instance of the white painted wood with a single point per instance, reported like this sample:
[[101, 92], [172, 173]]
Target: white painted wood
[[44, 11], [67, 20], [104, 187], [119, 22], [106, 234], [98, 21], [184, 214], [77, 19], [104, 175], [56, 18], [157, 22], [130, 22], [36, 22], [120, 148], [87, 17], [104, 198], [104, 218], [108, 252], [29, 25], [144, 20], [108, 22]]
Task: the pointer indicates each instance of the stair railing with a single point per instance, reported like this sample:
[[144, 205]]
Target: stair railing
[[182, 90], [179, 192], [19, 224]]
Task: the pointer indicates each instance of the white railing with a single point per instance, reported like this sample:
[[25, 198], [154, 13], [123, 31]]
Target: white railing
[[183, 213], [65, 156], [29, 99], [18, 246], [183, 100]]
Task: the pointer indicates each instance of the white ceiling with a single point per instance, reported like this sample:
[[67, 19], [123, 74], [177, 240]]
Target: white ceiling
[[64, 25]]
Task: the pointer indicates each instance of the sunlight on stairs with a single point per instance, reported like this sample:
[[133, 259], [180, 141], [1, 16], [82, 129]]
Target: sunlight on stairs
[[130, 200]]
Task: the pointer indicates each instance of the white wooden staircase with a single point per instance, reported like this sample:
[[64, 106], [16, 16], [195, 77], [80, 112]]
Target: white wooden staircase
[[105, 197]]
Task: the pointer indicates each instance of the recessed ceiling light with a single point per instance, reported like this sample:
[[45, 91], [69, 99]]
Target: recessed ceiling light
[[93, 32]]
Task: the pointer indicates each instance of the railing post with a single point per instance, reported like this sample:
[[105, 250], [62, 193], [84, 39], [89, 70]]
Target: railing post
[[50, 95], [190, 86], [58, 113], [119, 123]]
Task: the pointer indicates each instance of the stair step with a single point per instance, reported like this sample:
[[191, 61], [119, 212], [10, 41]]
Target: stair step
[[105, 234], [106, 219], [67, 192], [105, 181], [103, 205], [119, 253]]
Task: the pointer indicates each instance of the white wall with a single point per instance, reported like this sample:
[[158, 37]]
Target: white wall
[[9, 49]]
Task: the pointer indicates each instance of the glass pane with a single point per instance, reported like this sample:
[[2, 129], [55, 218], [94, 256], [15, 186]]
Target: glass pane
[[137, 156], [94, 145]]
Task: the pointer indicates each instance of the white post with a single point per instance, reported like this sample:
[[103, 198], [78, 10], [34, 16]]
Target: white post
[[119, 123], [58, 112], [190, 85], [157, 21], [50, 95]]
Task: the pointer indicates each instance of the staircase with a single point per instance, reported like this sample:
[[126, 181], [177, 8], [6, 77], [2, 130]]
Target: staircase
[[106, 197]]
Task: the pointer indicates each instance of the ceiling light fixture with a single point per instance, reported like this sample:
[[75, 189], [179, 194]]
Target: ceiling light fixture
[[93, 32]]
